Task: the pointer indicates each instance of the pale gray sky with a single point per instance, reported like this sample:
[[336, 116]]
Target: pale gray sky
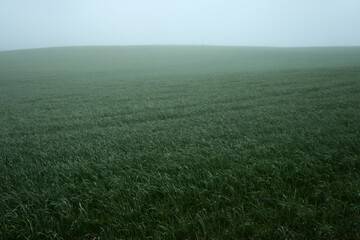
[[47, 23]]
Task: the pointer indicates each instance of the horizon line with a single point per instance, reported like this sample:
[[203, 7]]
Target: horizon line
[[181, 45]]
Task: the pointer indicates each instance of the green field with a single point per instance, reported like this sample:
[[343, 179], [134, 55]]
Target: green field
[[180, 142]]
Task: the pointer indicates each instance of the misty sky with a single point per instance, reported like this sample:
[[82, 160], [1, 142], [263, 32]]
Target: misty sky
[[47, 23]]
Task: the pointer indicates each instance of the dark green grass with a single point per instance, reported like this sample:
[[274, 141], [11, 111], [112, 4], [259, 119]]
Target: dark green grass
[[180, 143]]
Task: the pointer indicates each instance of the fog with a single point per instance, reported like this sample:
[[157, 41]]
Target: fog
[[283, 23]]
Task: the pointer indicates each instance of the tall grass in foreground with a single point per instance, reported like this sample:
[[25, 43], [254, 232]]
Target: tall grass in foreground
[[180, 143]]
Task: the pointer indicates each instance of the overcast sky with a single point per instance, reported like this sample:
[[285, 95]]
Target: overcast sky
[[47, 23]]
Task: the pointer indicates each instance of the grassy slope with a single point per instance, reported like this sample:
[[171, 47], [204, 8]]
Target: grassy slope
[[180, 142]]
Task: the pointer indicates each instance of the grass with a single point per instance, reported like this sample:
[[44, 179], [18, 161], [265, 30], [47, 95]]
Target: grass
[[173, 142]]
